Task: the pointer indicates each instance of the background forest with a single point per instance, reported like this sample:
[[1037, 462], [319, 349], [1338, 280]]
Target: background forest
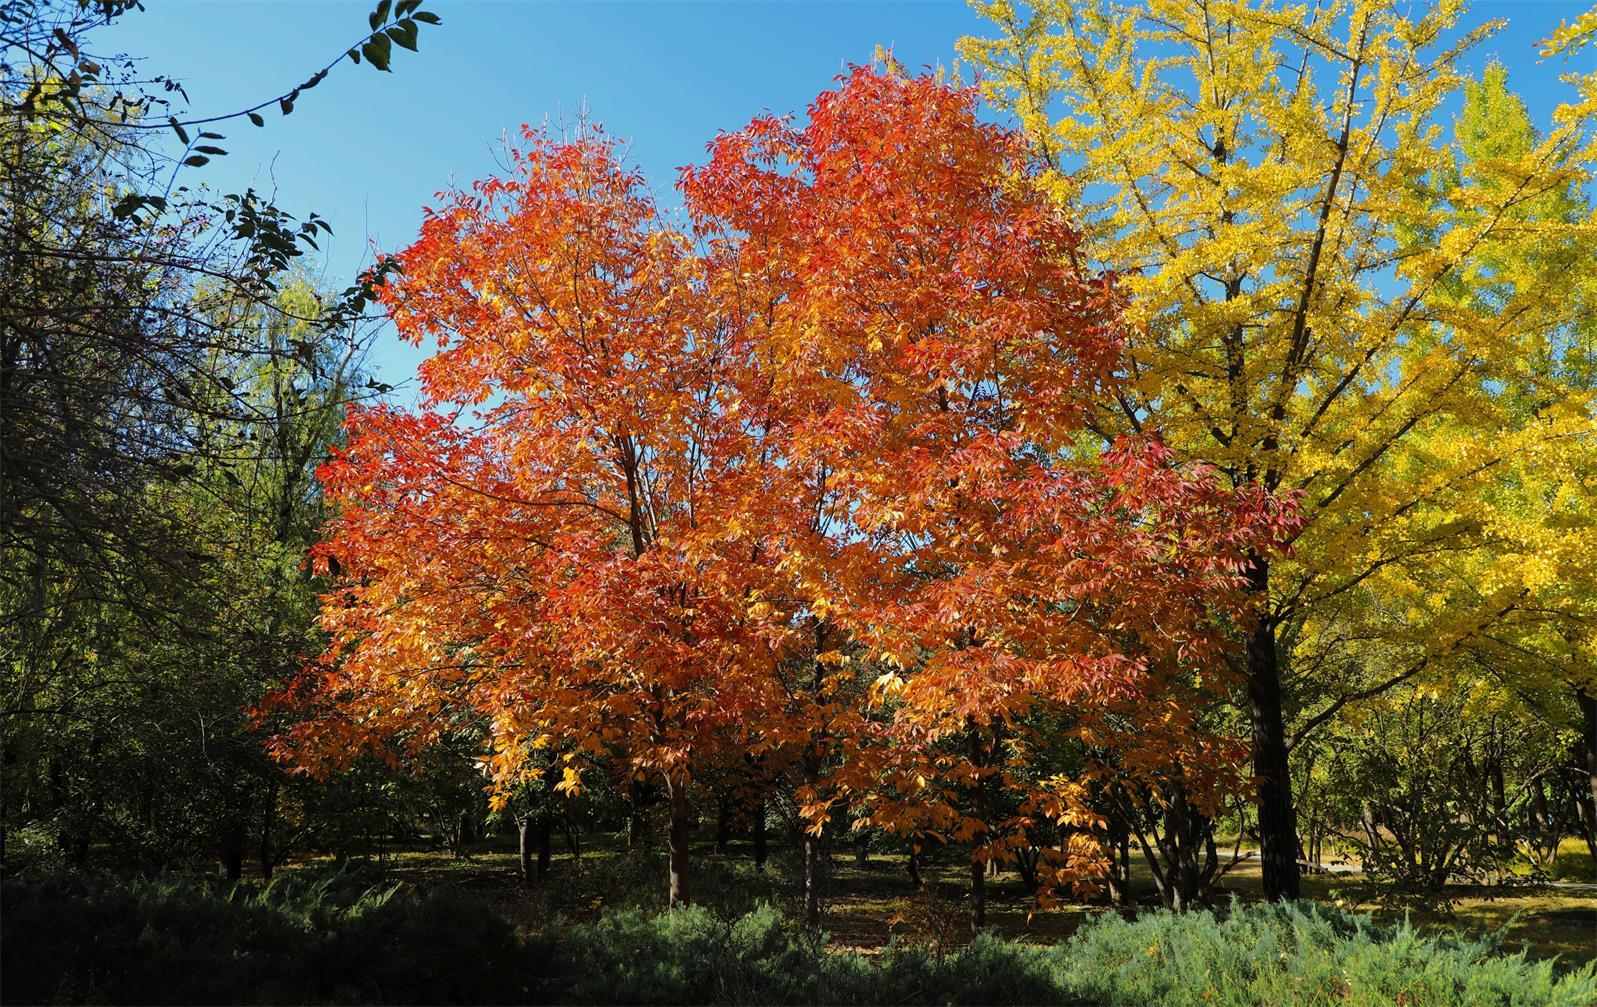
[[1087, 525]]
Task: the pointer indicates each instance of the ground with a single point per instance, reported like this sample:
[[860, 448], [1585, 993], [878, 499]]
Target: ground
[[873, 901]]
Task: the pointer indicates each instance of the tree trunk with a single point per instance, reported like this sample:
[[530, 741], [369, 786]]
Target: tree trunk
[[268, 821], [812, 879], [468, 833], [1278, 833], [759, 836], [723, 824], [233, 851], [1124, 871], [546, 828], [978, 867], [572, 845], [524, 848], [978, 894], [634, 828], [912, 865], [677, 841], [1588, 723], [1119, 859]]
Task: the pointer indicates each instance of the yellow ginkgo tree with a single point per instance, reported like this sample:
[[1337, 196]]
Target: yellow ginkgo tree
[[1274, 185]]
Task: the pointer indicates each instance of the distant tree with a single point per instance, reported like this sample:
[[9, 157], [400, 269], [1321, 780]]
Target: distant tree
[[135, 310]]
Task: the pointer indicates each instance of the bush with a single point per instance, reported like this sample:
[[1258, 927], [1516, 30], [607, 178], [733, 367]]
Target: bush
[[689, 956], [1287, 954], [312, 937], [989, 970], [403, 945], [320, 937], [71, 939]]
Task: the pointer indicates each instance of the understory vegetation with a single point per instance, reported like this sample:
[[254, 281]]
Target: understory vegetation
[[345, 937]]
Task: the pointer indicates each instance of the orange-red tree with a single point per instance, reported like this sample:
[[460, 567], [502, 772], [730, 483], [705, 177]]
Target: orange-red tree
[[566, 541], [939, 354], [674, 491]]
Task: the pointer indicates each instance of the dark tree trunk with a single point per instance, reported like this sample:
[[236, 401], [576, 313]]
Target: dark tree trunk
[[524, 847], [1586, 769], [637, 798], [812, 878], [1119, 859], [978, 866], [760, 849], [912, 865], [268, 823], [1588, 724], [1278, 832], [573, 846], [233, 851], [978, 895], [677, 841], [723, 824], [1026, 862], [546, 828]]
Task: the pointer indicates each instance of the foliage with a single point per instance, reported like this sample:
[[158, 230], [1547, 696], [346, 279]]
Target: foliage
[[331, 938], [168, 382], [1322, 306], [712, 490], [1300, 954], [328, 938]]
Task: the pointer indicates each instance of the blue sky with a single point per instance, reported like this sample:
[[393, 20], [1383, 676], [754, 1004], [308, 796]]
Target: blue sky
[[368, 150]]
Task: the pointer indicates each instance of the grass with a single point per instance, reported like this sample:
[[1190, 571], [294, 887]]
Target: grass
[[871, 903]]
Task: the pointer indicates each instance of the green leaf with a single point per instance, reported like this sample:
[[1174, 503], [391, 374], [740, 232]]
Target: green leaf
[[426, 17], [404, 34], [196, 161], [286, 104], [177, 127], [376, 51], [256, 119], [213, 151], [379, 15], [132, 203]]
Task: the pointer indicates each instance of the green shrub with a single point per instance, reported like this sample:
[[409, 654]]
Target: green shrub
[[341, 937], [318, 937], [1287, 954], [689, 956], [72, 939], [402, 945], [989, 970]]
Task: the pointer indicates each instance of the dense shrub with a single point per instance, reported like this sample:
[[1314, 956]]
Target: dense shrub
[[1286, 954], [340, 938], [989, 970], [690, 956], [401, 945], [326, 937]]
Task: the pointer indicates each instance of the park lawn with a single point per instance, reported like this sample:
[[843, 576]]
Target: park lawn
[[873, 902]]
